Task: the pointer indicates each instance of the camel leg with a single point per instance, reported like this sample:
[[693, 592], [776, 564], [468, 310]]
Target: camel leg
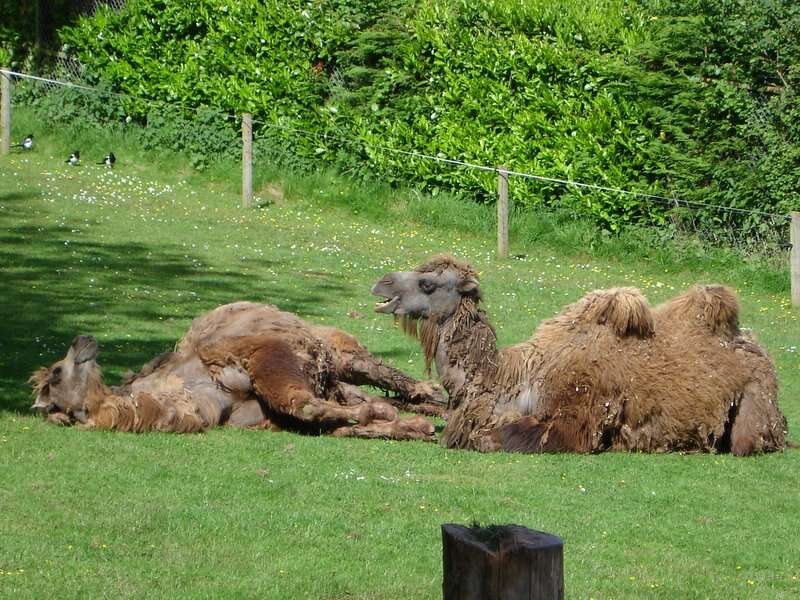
[[248, 414], [59, 418], [403, 428], [362, 368], [524, 434], [355, 365], [297, 401], [421, 408], [278, 379], [350, 395]]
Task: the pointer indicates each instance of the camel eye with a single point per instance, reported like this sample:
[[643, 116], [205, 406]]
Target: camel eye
[[427, 286], [55, 376]]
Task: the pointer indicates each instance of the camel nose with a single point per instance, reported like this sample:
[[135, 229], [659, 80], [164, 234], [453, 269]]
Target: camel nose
[[83, 340]]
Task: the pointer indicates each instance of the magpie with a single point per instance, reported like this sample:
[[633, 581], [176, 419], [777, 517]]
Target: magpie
[[74, 158], [25, 144], [109, 160]]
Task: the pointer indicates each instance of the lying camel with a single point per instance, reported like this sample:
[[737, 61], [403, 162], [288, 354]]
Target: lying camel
[[609, 372], [242, 364]]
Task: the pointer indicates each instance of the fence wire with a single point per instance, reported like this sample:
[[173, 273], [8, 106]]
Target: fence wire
[[682, 217]]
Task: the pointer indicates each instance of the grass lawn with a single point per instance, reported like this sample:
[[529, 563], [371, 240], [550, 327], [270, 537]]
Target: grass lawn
[[132, 255]]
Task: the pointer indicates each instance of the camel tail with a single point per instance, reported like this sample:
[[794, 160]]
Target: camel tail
[[624, 310], [755, 423]]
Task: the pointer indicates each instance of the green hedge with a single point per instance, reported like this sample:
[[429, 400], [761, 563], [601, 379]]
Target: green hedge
[[693, 99]]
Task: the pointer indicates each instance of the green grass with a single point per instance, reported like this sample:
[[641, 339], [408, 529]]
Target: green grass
[[133, 255]]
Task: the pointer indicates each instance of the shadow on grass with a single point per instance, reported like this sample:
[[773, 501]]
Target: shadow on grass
[[137, 298]]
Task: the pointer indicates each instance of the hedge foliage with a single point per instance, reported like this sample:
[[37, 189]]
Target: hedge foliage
[[695, 99]]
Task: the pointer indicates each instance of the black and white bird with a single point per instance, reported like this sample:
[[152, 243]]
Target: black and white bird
[[25, 144], [109, 160], [74, 158]]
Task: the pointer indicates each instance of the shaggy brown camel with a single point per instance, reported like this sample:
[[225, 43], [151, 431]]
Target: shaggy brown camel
[[243, 364], [608, 372]]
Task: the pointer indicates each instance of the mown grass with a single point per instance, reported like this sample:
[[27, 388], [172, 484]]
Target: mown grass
[[133, 255]]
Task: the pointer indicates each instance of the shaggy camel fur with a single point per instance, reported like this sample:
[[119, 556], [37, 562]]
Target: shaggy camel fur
[[609, 372], [242, 364]]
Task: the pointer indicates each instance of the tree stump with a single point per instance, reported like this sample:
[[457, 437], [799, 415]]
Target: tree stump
[[505, 562]]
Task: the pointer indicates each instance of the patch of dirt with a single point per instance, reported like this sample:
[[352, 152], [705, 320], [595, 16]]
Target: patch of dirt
[[271, 193]]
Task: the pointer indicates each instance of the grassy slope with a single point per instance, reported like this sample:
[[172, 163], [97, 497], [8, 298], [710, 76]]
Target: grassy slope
[[132, 255]]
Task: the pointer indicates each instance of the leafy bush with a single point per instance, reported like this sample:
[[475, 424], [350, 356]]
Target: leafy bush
[[718, 80], [688, 98], [204, 137]]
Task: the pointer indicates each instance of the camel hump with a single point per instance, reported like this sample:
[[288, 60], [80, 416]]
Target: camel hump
[[624, 310], [714, 307], [236, 319]]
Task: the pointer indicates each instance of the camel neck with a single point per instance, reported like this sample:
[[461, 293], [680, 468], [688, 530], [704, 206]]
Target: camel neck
[[96, 392], [466, 351]]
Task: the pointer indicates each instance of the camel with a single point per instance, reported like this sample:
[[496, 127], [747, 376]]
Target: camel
[[246, 365], [607, 373]]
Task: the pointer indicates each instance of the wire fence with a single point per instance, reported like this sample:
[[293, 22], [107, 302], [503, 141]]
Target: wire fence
[[682, 216]]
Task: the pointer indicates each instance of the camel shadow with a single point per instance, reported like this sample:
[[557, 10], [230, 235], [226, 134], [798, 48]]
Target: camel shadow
[[137, 298]]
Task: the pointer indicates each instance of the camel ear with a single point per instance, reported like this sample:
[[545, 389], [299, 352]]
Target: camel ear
[[84, 348], [468, 286]]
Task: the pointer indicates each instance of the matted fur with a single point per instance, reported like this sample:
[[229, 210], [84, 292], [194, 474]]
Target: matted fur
[[38, 380], [608, 372], [145, 412], [441, 262], [246, 364], [625, 310], [430, 331], [713, 306], [424, 330]]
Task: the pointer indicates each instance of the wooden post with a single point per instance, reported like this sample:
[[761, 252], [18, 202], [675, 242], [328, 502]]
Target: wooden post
[[794, 237], [507, 562], [502, 212], [5, 113], [247, 160]]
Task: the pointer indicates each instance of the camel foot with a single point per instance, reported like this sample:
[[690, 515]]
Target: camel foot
[[410, 428], [59, 418], [425, 392], [376, 411]]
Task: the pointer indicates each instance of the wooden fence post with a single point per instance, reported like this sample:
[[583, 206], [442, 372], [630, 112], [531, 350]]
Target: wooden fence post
[[794, 237], [501, 563], [5, 113], [502, 212], [247, 160]]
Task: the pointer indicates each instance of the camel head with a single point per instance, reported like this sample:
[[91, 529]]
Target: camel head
[[63, 386], [433, 291]]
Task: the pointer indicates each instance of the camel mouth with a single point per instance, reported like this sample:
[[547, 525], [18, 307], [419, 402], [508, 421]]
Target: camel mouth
[[388, 305], [43, 407]]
